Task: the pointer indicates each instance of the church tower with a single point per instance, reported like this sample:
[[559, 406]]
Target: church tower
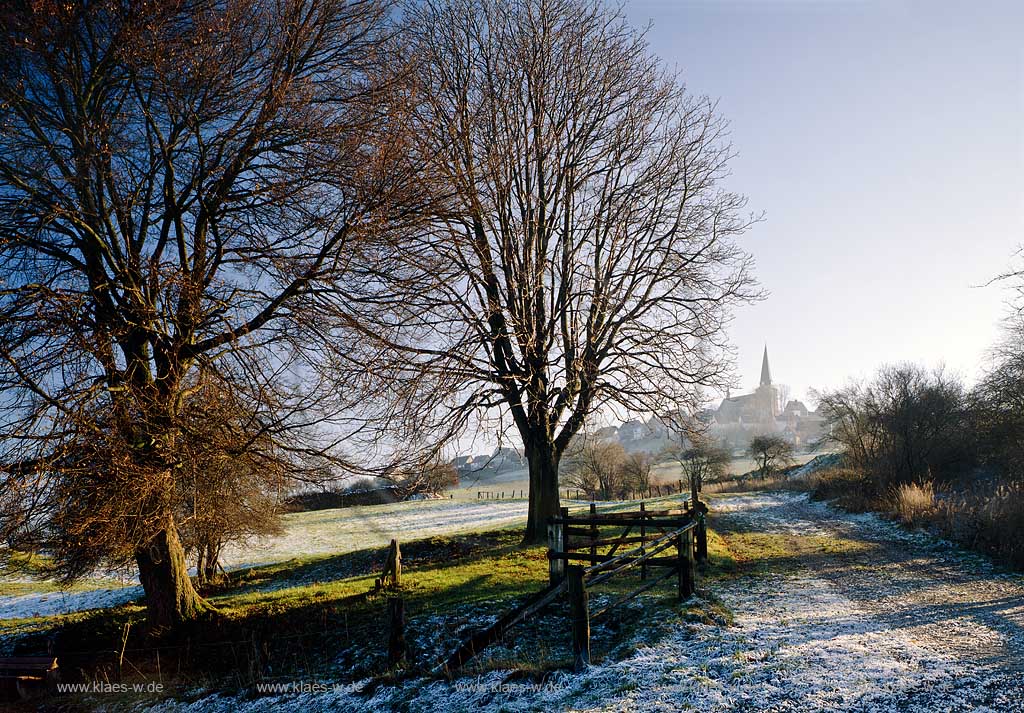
[[766, 373], [767, 395]]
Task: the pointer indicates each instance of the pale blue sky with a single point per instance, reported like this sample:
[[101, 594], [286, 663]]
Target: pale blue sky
[[884, 142]]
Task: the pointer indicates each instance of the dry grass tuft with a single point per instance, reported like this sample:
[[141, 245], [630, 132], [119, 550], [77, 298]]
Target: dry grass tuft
[[914, 503]]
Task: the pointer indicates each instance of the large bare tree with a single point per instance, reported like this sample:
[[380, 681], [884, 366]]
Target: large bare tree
[[183, 186], [584, 255]]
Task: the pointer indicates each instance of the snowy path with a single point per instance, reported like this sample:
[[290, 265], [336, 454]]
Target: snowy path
[[900, 623]]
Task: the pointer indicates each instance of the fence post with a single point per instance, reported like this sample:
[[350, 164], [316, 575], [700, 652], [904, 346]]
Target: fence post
[[684, 548], [556, 544], [593, 533], [643, 542], [566, 547], [396, 637], [702, 538], [580, 618]]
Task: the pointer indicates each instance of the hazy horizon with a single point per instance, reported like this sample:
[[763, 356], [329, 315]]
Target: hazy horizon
[[883, 142]]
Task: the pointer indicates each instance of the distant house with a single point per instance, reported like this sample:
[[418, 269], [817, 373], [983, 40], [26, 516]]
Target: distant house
[[632, 431], [462, 464], [505, 458], [795, 409]]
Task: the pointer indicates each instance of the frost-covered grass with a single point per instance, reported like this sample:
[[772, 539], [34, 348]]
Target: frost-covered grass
[[307, 534], [317, 616], [833, 612]]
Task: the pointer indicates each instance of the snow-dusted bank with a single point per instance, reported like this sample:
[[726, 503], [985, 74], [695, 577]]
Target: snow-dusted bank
[[320, 532], [905, 624], [343, 530]]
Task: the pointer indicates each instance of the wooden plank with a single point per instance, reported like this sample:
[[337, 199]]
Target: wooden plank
[[658, 546], [488, 635], [597, 559], [673, 522], [600, 572], [639, 590], [619, 539], [627, 514], [42, 663]]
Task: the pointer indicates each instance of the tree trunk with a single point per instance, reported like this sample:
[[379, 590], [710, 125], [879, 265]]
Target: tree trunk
[[200, 566], [543, 464], [211, 562], [171, 599]]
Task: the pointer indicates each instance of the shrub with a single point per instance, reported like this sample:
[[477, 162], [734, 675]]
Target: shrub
[[988, 519], [849, 488]]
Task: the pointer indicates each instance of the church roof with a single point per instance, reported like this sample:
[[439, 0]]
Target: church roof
[[766, 373]]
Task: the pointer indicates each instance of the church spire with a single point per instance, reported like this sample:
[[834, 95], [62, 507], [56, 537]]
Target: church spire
[[766, 374]]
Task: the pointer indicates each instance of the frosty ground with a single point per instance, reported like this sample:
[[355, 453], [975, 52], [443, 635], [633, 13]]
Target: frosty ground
[[307, 533], [833, 612]]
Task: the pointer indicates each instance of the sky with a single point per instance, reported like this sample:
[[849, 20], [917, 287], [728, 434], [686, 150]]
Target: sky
[[884, 141]]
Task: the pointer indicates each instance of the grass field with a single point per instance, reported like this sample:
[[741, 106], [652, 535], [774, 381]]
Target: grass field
[[318, 616]]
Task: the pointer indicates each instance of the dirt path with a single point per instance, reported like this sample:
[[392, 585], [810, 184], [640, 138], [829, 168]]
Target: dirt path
[[887, 621], [935, 594]]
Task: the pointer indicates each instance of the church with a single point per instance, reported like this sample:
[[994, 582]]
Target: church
[[760, 407]]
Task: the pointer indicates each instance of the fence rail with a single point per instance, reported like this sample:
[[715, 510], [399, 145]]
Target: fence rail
[[574, 538]]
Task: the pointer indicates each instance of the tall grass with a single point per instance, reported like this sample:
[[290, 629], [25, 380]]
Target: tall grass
[[987, 518], [914, 503]]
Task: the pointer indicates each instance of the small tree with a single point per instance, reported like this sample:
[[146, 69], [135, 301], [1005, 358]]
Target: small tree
[[233, 476], [429, 479], [702, 461], [596, 467], [771, 453], [636, 472]]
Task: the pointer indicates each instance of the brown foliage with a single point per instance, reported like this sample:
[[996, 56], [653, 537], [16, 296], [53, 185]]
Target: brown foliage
[[183, 188]]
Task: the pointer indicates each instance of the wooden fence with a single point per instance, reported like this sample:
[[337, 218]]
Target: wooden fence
[[652, 491], [671, 539], [500, 494], [658, 532]]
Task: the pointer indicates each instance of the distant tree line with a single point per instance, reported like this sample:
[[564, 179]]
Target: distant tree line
[[910, 424]]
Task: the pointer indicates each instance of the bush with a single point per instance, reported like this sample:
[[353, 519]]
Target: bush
[[849, 488]]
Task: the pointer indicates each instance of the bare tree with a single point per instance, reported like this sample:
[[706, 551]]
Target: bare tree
[[183, 188], [596, 467], [906, 423], [701, 461], [636, 472], [770, 453], [584, 256]]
